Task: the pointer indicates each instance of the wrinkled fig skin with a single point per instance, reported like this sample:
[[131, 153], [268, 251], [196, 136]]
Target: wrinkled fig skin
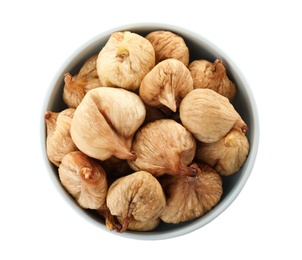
[[125, 60], [210, 75], [190, 197], [105, 121], [166, 84], [163, 147], [138, 196], [169, 45], [136, 225], [78, 85], [58, 141], [84, 179], [208, 115], [227, 155]]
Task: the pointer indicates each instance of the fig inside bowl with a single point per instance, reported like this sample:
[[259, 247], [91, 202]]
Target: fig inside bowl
[[244, 103]]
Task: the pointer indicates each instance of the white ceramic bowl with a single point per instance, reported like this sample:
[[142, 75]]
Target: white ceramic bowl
[[244, 104]]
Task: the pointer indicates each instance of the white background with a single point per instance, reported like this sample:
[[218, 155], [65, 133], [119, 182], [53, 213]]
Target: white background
[[263, 38]]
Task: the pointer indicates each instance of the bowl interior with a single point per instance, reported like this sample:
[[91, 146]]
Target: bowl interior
[[244, 103]]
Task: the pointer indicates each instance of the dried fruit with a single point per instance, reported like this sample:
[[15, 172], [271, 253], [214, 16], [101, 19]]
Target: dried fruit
[[125, 60], [163, 147], [77, 86], [105, 121], [210, 75], [138, 196], [169, 45], [227, 155], [208, 115], [136, 111], [189, 197], [166, 84], [58, 140], [84, 179]]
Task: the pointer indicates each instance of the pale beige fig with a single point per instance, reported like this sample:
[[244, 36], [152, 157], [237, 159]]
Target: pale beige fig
[[227, 155], [163, 147], [210, 75], [166, 84], [208, 115], [125, 60], [138, 195], [169, 45], [105, 121], [76, 86], [58, 140], [189, 197], [84, 179]]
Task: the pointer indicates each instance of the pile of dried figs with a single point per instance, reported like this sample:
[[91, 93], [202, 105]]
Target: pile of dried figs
[[146, 134]]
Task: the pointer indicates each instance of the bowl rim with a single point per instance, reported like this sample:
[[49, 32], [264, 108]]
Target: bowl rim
[[219, 208]]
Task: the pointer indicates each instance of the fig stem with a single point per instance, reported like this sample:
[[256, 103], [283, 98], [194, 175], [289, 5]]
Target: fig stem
[[187, 171], [67, 78], [130, 155], [123, 152], [47, 115], [244, 129], [242, 125], [169, 101], [216, 64]]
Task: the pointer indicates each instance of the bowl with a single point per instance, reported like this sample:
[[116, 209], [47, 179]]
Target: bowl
[[244, 103]]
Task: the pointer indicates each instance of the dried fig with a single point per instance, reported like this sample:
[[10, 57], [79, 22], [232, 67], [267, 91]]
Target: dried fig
[[227, 155], [169, 45], [125, 60], [210, 75], [208, 115], [189, 197], [105, 121], [166, 84], [58, 140], [163, 147], [137, 196], [78, 85], [84, 179]]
